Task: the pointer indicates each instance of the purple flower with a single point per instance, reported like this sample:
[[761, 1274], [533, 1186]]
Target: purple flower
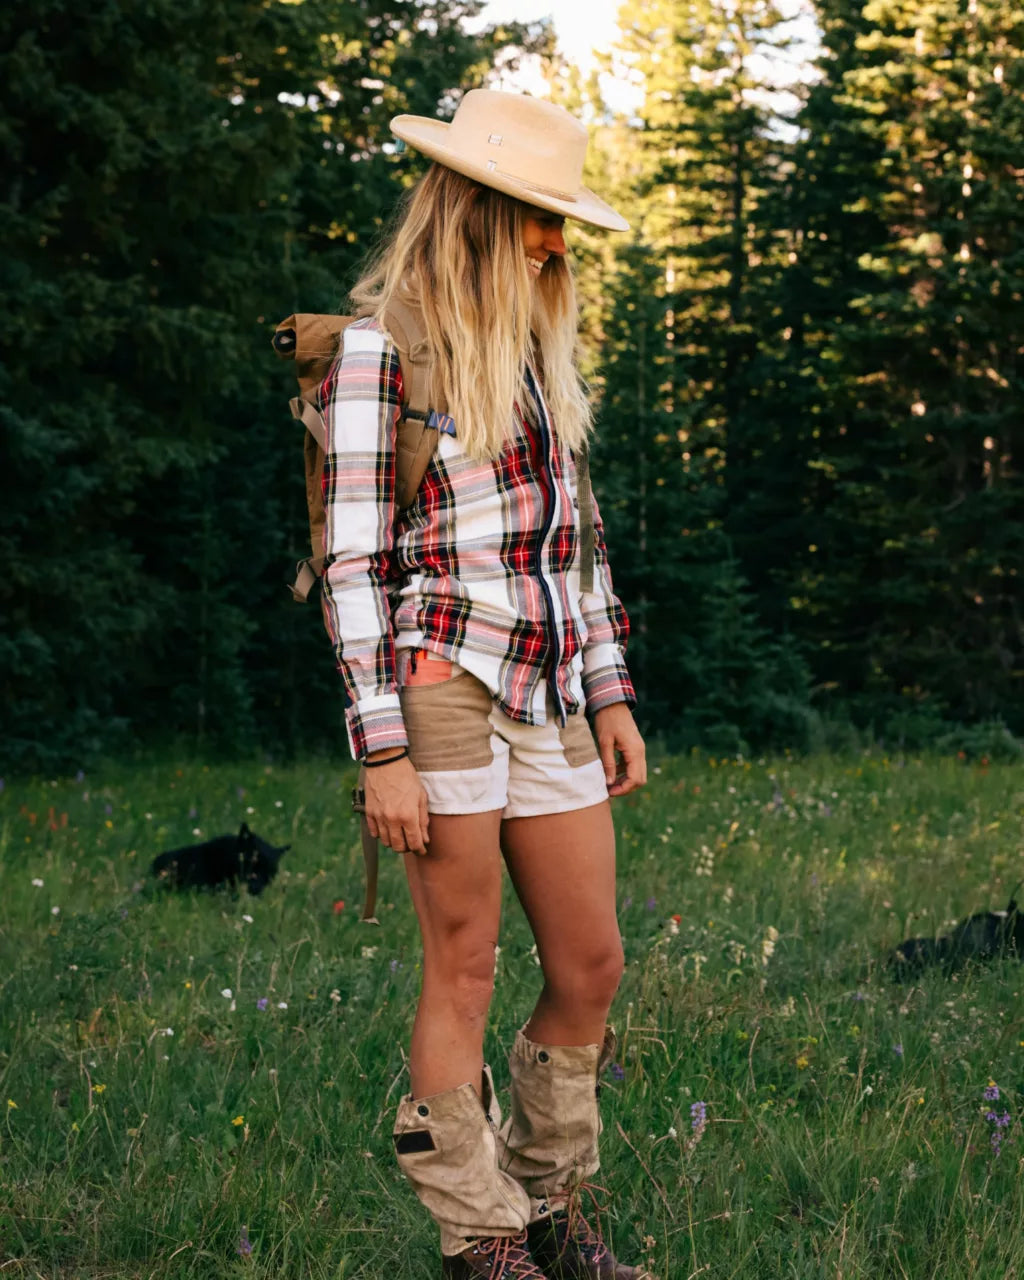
[[108, 809], [898, 1050], [193, 812], [617, 1072], [627, 902], [698, 1117], [80, 776], [651, 903], [393, 966], [991, 1093], [1000, 1122], [262, 1003], [244, 1243], [857, 995]]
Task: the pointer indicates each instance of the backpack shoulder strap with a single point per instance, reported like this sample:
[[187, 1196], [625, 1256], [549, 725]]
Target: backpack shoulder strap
[[416, 442]]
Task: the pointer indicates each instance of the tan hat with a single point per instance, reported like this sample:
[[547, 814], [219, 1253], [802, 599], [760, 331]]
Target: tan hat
[[523, 146]]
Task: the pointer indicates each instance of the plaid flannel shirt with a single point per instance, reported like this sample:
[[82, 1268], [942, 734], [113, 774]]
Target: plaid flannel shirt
[[482, 569]]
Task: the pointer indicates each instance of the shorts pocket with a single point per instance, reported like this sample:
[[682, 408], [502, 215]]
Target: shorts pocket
[[578, 742], [448, 724]]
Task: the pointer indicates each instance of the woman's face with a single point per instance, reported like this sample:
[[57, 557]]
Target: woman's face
[[542, 237]]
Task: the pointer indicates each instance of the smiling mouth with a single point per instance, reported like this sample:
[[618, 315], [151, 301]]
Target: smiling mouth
[[535, 264]]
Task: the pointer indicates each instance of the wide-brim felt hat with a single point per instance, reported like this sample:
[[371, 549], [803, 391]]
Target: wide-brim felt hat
[[523, 146]]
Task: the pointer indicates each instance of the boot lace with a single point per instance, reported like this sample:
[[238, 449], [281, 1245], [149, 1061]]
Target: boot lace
[[510, 1258], [575, 1228]]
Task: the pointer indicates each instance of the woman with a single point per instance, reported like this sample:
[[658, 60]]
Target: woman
[[469, 654]]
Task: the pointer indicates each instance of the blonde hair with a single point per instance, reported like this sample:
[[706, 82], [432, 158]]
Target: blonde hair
[[457, 251]]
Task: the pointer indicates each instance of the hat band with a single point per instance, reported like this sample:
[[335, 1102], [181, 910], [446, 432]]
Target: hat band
[[553, 192]]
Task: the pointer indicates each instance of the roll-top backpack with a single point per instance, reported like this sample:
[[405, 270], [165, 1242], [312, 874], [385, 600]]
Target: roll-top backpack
[[312, 341]]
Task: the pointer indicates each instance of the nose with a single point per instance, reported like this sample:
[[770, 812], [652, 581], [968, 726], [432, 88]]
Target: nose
[[554, 241]]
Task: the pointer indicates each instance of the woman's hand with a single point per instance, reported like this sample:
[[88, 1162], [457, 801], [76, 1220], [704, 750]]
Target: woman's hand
[[621, 748], [396, 804]]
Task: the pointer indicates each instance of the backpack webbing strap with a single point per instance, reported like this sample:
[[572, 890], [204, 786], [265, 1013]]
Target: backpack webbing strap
[[416, 443], [311, 419]]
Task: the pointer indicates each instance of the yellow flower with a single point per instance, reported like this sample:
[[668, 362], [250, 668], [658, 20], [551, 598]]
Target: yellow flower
[[188, 986], [11, 1105], [98, 1088], [238, 1120], [802, 1062], [920, 1102]]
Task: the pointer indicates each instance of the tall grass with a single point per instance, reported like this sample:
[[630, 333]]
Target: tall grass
[[203, 1086]]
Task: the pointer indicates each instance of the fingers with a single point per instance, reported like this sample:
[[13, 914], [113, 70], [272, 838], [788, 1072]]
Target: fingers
[[606, 748], [632, 771]]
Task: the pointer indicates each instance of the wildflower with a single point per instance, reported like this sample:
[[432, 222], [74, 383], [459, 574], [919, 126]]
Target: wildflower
[[247, 918], [188, 985], [335, 996], [339, 906], [368, 952], [393, 965], [802, 1062], [262, 1003], [618, 1072], [278, 804], [673, 926], [627, 902], [37, 882], [651, 903], [99, 1088], [167, 1031], [698, 1117], [282, 1004], [898, 1050], [244, 1243], [227, 993], [238, 1120], [768, 944], [991, 1092], [55, 911], [672, 1132], [11, 1105]]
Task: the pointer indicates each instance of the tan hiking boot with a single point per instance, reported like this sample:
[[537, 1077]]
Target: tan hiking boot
[[499, 1258]]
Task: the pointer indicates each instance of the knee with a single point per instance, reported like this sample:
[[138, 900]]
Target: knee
[[463, 975], [591, 976]]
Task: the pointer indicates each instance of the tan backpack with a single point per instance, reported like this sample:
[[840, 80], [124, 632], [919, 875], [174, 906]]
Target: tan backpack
[[312, 342]]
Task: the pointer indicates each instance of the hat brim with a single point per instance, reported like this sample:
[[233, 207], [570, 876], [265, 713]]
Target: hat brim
[[430, 137]]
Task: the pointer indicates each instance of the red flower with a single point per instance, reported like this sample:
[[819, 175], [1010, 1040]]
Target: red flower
[[678, 919], [339, 906]]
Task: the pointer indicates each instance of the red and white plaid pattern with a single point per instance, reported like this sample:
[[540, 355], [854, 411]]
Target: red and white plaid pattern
[[483, 568]]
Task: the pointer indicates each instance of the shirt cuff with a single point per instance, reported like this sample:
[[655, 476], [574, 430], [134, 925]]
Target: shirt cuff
[[605, 678], [374, 724]]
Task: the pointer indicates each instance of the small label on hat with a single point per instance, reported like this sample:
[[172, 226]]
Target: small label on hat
[[495, 139]]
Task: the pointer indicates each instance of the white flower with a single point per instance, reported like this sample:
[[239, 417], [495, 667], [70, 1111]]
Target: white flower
[[167, 1031], [278, 804], [247, 919], [73, 968], [368, 952], [250, 809], [37, 882], [672, 1132], [197, 831], [227, 993], [335, 996], [55, 911], [282, 1004]]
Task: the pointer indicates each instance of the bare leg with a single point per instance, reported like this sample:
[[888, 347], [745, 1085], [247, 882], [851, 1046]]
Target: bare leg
[[456, 890], [563, 869]]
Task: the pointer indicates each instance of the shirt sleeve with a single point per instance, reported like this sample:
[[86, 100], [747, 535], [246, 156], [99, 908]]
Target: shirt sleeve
[[605, 677], [361, 403]]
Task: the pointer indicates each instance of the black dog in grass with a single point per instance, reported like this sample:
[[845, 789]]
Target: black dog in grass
[[229, 860], [984, 936]]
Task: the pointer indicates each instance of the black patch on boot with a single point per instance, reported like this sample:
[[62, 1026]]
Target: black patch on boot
[[407, 1144]]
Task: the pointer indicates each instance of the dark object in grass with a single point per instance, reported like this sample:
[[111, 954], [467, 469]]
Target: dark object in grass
[[987, 935], [225, 860]]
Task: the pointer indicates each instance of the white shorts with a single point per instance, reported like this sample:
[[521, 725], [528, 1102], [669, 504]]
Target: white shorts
[[472, 758]]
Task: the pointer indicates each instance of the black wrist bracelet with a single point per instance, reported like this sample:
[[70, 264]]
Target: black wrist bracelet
[[376, 764]]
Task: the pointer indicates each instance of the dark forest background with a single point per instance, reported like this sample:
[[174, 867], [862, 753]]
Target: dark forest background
[[808, 358]]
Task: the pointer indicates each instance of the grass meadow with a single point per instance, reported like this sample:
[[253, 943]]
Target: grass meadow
[[203, 1086]]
